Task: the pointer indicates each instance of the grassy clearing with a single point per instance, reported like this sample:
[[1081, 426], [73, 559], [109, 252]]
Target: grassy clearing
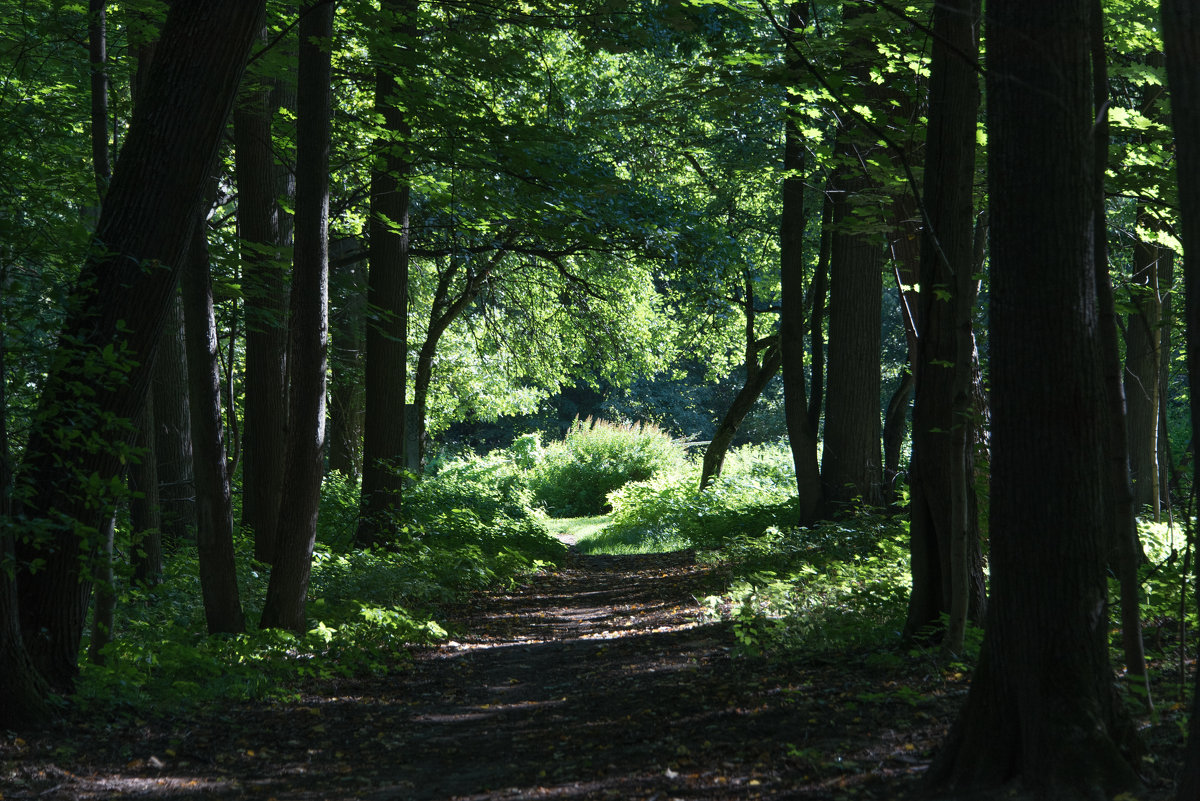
[[573, 529]]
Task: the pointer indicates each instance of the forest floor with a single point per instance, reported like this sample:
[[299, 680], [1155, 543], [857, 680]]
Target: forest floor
[[597, 680]]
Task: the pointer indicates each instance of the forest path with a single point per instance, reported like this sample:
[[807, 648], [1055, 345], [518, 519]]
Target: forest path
[[596, 680]]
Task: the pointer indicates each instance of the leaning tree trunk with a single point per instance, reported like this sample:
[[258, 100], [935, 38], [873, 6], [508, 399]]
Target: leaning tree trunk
[[295, 538], [214, 511], [743, 402], [100, 371], [1041, 717]]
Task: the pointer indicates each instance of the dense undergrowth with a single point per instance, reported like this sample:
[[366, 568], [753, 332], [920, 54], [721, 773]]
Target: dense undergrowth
[[482, 521]]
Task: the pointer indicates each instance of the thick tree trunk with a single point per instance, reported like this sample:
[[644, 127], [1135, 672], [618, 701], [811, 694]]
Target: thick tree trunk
[[262, 226], [100, 371], [214, 511], [173, 431], [387, 334], [802, 432], [287, 591], [743, 402], [1041, 712], [1181, 43], [850, 464], [944, 535]]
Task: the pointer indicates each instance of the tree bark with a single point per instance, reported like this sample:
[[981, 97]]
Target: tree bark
[[1143, 356], [100, 372], [173, 431], [23, 692], [348, 306], [1181, 43], [1041, 715], [144, 516], [802, 432], [214, 511], [743, 402], [287, 590], [895, 425], [944, 535], [850, 464], [387, 332], [1122, 515], [261, 221], [98, 56]]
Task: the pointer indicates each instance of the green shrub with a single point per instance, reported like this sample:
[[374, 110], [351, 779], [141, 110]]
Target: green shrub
[[753, 493], [576, 474]]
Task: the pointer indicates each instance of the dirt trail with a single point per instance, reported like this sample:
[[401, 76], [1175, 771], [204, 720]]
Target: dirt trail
[[599, 680]]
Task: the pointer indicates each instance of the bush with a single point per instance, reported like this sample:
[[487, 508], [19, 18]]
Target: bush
[[576, 475], [753, 493]]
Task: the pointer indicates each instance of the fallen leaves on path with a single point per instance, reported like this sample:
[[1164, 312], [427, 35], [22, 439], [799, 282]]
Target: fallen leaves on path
[[598, 681]]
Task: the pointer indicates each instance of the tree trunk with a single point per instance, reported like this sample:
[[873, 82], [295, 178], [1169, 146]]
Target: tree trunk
[[1181, 43], [944, 536], [214, 511], [817, 332], [173, 431], [387, 333], [1143, 355], [262, 227], [895, 425], [756, 382], [105, 604], [98, 56], [802, 432], [348, 306], [850, 464], [1122, 514], [23, 692], [1041, 716], [100, 370], [287, 590], [144, 514]]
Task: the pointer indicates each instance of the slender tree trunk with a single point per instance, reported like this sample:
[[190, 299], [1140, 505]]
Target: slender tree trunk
[[817, 333], [118, 306], [98, 56], [173, 431], [1143, 356], [756, 382], [348, 306], [144, 514], [1181, 43], [104, 604], [1122, 517], [802, 432], [895, 426], [387, 332], [287, 591], [261, 223], [214, 511], [1041, 717], [944, 535]]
